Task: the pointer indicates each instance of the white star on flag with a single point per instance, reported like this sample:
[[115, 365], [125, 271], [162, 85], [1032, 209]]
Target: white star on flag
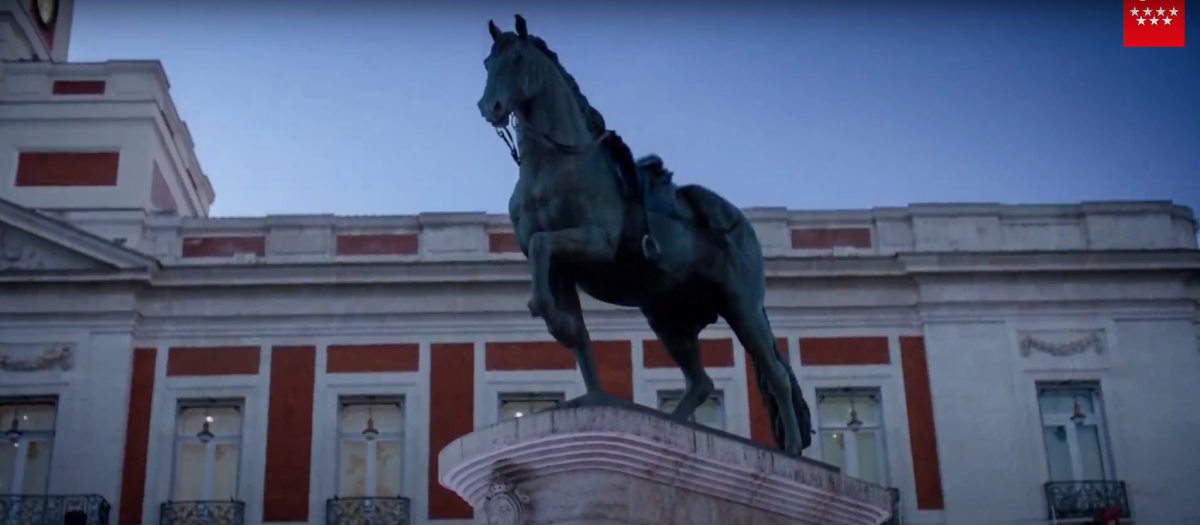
[[1160, 14]]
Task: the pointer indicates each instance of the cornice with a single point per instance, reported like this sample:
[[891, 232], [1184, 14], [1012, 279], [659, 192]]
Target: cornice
[[26, 277], [1002, 311], [92, 322], [91, 245], [1059, 261], [827, 267], [601, 323], [513, 269]]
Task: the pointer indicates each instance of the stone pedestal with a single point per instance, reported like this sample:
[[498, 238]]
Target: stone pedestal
[[624, 464]]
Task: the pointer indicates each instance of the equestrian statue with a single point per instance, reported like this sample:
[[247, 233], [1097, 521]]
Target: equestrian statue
[[590, 217]]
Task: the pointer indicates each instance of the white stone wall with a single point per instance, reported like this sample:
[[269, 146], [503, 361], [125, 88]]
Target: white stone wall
[[973, 304], [986, 410], [135, 115], [93, 394]]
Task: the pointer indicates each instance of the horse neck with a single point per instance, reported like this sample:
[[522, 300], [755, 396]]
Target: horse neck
[[555, 112]]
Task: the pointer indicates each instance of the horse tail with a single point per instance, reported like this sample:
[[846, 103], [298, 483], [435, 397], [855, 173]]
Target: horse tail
[[773, 414]]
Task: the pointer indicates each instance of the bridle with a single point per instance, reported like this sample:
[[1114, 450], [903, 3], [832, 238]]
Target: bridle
[[526, 128]]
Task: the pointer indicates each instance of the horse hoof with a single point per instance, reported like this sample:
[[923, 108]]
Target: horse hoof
[[678, 418], [794, 449], [533, 309]]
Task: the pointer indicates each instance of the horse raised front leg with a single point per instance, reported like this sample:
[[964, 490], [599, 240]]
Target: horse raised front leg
[[577, 338], [584, 244]]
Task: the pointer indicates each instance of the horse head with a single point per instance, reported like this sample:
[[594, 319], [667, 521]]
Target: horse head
[[517, 72]]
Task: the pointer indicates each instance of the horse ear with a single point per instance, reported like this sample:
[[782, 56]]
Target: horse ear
[[522, 31], [495, 31]]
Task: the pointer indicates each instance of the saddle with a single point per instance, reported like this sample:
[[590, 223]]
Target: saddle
[[646, 180]]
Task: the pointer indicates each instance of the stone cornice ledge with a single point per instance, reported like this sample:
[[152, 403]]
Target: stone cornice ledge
[[640, 445], [1046, 261], [513, 268]]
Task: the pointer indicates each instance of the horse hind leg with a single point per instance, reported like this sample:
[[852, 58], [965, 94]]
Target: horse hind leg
[[753, 330], [681, 340]]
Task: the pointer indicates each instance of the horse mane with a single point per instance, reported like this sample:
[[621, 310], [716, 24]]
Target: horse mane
[[614, 144], [595, 121]]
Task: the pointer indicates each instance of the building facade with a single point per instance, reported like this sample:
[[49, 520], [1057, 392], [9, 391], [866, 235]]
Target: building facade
[[995, 364]]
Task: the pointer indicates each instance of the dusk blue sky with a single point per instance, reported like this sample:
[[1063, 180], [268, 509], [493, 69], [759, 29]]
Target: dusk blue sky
[[368, 107]]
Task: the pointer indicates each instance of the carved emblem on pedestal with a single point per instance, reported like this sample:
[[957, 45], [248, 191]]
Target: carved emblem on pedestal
[[505, 505], [59, 356]]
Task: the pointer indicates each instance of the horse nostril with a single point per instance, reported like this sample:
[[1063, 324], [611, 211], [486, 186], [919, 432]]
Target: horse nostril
[[496, 107]]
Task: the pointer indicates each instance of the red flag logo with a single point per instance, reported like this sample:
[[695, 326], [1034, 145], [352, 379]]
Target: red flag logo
[[1153, 23]]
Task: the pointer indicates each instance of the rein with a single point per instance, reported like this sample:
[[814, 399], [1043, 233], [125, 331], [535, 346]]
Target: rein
[[565, 149], [650, 247]]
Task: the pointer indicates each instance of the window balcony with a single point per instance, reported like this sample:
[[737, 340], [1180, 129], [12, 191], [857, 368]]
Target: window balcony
[[367, 511], [1085, 500], [229, 512], [896, 518], [19, 509]]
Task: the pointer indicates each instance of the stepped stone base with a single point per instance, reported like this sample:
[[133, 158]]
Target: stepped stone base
[[606, 462]]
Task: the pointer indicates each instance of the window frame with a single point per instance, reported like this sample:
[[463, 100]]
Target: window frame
[[178, 440], [371, 473], [558, 397], [676, 394], [850, 436], [21, 459], [1094, 418]]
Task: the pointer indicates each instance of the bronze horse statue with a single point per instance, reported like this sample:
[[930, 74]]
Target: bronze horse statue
[[589, 216]]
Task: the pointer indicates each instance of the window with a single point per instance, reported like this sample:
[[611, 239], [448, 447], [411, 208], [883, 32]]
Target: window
[[371, 447], [208, 440], [25, 453], [852, 433], [1073, 427], [710, 413], [519, 405]]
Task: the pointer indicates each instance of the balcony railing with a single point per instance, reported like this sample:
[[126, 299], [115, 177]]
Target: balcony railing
[[21, 509], [896, 518], [367, 511], [1085, 500], [202, 513]]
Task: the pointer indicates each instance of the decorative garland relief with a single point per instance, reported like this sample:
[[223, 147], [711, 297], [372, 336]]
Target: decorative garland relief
[[1092, 341], [58, 355]]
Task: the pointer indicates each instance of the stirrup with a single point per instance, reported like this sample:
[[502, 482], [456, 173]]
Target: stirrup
[[650, 248]]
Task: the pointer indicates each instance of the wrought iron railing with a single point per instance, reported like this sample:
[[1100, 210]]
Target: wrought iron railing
[[896, 515], [367, 511], [85, 509], [1069, 500], [202, 513]]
